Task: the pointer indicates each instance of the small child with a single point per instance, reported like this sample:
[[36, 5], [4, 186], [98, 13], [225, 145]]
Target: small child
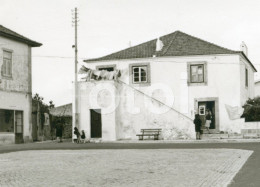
[[76, 132]]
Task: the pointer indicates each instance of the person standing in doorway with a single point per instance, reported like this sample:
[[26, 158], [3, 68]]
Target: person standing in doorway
[[197, 123], [208, 119]]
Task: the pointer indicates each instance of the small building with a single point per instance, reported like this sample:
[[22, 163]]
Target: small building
[[163, 84], [64, 112], [15, 86]]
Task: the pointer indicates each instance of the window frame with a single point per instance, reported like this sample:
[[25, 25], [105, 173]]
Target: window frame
[[4, 75], [246, 78], [148, 74], [205, 73], [197, 65], [139, 74]]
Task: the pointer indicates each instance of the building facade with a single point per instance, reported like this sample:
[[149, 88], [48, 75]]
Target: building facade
[[257, 88], [15, 87], [163, 84]]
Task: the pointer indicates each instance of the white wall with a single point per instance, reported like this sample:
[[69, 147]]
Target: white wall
[[20, 66], [138, 111], [15, 92], [224, 81], [257, 89], [119, 118], [246, 92], [90, 91], [18, 101]]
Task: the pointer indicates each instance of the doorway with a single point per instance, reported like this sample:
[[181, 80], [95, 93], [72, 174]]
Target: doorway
[[203, 107], [211, 104], [18, 126], [95, 123]]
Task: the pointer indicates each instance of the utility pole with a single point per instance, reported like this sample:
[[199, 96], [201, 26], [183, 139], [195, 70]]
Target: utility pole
[[76, 113]]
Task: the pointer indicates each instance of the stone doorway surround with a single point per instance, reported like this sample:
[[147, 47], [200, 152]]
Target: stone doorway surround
[[216, 100]]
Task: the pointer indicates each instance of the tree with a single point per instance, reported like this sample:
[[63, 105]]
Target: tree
[[42, 107], [51, 105], [252, 109]]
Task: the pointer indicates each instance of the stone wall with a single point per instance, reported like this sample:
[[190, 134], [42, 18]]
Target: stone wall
[[252, 128]]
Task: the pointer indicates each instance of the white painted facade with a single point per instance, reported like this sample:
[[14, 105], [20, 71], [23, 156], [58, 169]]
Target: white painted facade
[[16, 91], [225, 85], [257, 88]]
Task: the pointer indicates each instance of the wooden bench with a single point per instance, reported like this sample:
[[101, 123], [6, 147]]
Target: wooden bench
[[149, 132]]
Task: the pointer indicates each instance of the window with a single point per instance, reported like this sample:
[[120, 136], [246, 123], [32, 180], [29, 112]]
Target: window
[[111, 67], [107, 69], [7, 64], [139, 74], [201, 110], [11, 121], [197, 73], [6, 120], [246, 77]]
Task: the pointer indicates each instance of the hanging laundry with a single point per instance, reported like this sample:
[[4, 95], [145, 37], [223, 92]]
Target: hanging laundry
[[83, 70], [234, 112], [99, 75]]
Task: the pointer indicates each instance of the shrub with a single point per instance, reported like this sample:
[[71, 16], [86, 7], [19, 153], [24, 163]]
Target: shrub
[[252, 109]]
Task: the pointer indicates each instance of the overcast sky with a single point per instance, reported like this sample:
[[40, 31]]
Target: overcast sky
[[108, 25]]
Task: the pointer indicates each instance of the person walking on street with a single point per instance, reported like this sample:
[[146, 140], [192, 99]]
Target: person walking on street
[[197, 123]]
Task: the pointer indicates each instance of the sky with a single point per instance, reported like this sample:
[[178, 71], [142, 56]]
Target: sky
[[107, 26]]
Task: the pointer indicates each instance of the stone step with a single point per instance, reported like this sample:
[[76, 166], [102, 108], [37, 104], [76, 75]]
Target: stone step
[[251, 136], [214, 136], [206, 136]]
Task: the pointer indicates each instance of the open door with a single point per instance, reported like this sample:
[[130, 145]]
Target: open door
[[95, 123], [19, 127]]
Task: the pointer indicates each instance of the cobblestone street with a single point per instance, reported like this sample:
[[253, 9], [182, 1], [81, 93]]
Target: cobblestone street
[[164, 167]]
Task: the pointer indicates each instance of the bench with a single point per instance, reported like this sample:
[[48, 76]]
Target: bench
[[149, 132]]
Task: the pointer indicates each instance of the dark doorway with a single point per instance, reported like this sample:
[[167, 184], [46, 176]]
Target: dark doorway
[[96, 125], [203, 106]]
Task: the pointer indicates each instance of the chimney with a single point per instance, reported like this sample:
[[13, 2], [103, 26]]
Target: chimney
[[243, 48], [129, 44], [159, 45]]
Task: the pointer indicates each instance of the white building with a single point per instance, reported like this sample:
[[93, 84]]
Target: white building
[[257, 88], [15, 87], [163, 83]]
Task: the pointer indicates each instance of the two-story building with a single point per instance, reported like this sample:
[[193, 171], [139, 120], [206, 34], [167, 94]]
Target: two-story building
[[163, 84], [15, 86]]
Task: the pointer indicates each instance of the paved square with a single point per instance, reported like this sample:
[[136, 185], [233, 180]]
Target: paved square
[[157, 167]]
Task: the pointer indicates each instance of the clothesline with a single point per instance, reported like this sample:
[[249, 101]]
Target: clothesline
[[99, 74]]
